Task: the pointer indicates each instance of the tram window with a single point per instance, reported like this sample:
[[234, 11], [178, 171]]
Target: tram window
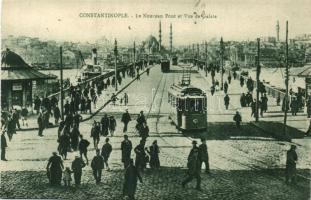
[[181, 105], [187, 104], [198, 105], [192, 104]]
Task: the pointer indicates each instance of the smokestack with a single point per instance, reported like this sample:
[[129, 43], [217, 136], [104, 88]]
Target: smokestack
[[94, 56]]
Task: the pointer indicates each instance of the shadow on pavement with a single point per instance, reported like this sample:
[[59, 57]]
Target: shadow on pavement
[[161, 184]]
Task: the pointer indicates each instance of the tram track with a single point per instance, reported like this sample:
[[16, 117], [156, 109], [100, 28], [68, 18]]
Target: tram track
[[178, 161]]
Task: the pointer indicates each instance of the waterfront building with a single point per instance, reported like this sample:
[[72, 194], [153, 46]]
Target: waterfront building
[[19, 81]]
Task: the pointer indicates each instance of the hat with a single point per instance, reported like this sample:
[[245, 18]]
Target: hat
[[54, 153], [194, 142]]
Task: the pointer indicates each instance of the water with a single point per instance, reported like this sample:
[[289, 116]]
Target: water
[[67, 73]]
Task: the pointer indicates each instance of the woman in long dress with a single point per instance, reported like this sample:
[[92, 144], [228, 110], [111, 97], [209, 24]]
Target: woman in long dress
[[55, 168]]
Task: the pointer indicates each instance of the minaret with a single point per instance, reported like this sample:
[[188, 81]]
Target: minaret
[[277, 31], [160, 36], [171, 38]]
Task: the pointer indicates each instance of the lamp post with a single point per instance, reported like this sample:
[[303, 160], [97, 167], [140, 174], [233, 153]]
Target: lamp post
[[61, 83], [115, 63], [222, 62]]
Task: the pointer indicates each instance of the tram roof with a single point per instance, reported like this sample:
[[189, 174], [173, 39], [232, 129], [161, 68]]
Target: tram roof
[[186, 90]]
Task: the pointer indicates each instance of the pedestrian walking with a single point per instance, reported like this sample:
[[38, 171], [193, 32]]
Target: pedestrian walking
[[126, 148], [229, 78], [77, 118], [67, 177], [291, 160], [154, 155], [141, 157], [194, 168], [241, 81], [95, 134], [89, 105], [226, 87], [24, 114], [55, 168], [144, 131], [83, 144], [4, 145], [294, 106], [11, 128], [37, 104], [57, 114], [140, 121], [212, 89], [126, 118], [112, 125], [104, 125], [126, 98], [243, 100], [74, 137], [130, 180], [249, 98], [106, 151], [40, 125], [226, 100], [97, 166], [203, 155], [76, 167], [237, 118], [15, 118], [64, 145]]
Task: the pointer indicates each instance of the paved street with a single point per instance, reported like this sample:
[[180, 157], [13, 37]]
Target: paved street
[[245, 164]]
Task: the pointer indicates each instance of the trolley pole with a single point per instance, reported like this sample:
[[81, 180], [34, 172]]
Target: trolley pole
[[257, 80], [115, 63], [286, 83], [134, 55], [61, 83], [222, 63]]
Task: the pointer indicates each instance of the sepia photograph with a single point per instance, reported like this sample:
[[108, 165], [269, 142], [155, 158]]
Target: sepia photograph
[[155, 99]]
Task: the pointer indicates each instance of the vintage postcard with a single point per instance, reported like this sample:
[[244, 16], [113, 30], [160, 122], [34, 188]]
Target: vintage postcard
[[155, 99]]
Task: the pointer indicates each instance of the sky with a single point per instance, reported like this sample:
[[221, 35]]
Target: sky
[[235, 19]]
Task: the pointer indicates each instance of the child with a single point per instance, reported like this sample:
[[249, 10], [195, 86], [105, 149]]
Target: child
[[24, 114], [67, 176]]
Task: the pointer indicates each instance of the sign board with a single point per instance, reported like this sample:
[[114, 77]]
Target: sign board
[[17, 87]]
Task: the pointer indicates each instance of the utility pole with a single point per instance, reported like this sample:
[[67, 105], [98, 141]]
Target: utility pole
[[115, 63], [134, 55], [61, 83], [205, 58], [160, 37], [222, 63], [257, 80], [171, 39], [198, 55], [193, 54], [286, 82]]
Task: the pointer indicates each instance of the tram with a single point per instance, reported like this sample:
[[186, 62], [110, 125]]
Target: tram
[[165, 65], [188, 107]]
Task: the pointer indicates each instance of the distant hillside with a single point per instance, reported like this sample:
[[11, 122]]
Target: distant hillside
[[45, 54]]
